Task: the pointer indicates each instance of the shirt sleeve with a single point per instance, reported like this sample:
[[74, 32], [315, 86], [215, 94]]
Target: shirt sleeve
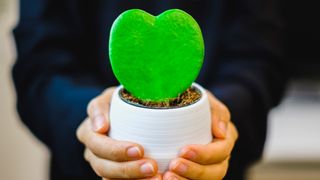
[[250, 75], [53, 79]]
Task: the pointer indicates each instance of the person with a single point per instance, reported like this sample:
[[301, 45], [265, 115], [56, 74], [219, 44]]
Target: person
[[63, 64]]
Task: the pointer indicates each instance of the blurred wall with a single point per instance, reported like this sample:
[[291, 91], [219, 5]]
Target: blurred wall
[[292, 149], [22, 157]]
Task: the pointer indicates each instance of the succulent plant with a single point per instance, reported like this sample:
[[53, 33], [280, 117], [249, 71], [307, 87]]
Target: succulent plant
[[156, 58]]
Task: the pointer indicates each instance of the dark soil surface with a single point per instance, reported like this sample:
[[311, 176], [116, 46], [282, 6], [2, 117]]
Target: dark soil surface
[[190, 96]]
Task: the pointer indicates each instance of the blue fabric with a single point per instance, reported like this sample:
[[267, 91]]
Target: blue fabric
[[63, 63]]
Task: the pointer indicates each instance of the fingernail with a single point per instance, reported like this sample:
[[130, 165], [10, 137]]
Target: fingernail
[[134, 152], [181, 168], [223, 127], [98, 122], [189, 154], [147, 168]]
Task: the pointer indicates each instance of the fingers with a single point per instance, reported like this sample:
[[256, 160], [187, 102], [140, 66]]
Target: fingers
[[98, 111], [220, 117], [172, 176], [215, 152], [191, 170], [107, 148], [110, 159], [127, 170], [208, 161]]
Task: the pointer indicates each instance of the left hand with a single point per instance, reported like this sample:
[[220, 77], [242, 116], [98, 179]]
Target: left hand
[[209, 161]]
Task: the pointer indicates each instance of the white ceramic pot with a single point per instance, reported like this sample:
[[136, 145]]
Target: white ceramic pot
[[162, 132]]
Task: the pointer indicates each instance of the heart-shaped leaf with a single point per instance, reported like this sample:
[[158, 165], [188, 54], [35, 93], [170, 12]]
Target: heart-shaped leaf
[[156, 57]]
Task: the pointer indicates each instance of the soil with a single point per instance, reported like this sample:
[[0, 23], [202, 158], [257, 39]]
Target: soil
[[190, 96]]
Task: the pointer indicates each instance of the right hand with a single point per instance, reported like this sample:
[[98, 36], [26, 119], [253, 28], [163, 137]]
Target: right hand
[[109, 158]]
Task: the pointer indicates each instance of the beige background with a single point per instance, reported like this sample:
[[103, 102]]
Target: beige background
[[292, 149], [22, 157]]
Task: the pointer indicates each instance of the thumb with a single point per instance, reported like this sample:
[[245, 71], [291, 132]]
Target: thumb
[[220, 117], [98, 111]]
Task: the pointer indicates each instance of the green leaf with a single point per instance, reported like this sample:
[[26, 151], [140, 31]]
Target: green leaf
[[156, 58]]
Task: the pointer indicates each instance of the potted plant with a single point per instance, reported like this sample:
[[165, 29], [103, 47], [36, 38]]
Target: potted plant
[[156, 59]]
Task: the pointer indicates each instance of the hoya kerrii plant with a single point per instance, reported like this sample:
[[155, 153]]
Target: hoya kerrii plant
[[156, 58]]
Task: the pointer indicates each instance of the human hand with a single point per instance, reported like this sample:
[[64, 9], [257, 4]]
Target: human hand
[[209, 161], [110, 158]]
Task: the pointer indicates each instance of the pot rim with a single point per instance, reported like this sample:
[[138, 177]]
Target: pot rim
[[197, 87]]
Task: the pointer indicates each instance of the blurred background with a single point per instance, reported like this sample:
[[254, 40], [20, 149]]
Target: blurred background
[[292, 149]]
